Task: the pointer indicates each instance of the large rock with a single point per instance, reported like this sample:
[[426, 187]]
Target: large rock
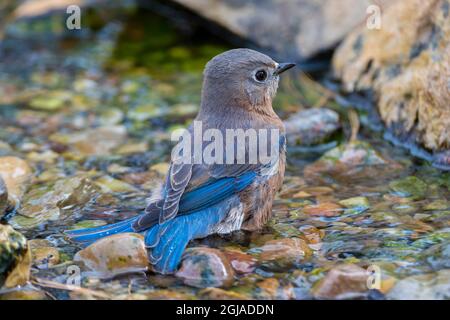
[[15, 258], [406, 65], [297, 28]]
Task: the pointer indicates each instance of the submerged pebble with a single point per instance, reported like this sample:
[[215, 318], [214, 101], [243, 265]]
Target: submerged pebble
[[203, 267], [431, 286], [114, 255], [289, 250], [16, 174], [342, 282]]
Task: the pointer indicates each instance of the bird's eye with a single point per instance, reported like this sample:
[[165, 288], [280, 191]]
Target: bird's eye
[[261, 75]]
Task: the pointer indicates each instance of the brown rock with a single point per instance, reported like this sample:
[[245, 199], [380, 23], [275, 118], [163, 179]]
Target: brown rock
[[24, 295], [16, 174], [220, 294], [116, 254], [406, 64], [312, 234], [343, 281], [272, 289], [325, 209], [43, 254], [241, 262], [292, 249], [205, 267]]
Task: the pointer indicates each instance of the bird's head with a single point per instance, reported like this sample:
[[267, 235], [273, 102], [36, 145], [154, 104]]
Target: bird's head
[[241, 78]]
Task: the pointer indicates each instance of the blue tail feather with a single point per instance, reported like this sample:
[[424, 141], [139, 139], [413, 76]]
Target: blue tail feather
[[165, 242], [93, 234], [174, 235]]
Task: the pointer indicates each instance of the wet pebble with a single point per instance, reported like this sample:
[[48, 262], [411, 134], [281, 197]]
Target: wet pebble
[[342, 282], [50, 201], [221, 294], [15, 257], [312, 126], [241, 262], [114, 255], [16, 174], [325, 209], [43, 254], [205, 267], [25, 294], [411, 186], [291, 250], [431, 286], [270, 289]]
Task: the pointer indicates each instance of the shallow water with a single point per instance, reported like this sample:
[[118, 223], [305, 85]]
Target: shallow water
[[139, 77]]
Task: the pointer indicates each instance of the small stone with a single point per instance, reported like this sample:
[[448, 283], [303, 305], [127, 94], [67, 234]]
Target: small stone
[[43, 254], [109, 184], [115, 168], [355, 202], [93, 142], [342, 282], [50, 101], [290, 249], [205, 267], [47, 157], [24, 295], [312, 126], [15, 258], [50, 201], [241, 262], [110, 117], [116, 254], [431, 286], [409, 187], [160, 168], [312, 234], [167, 295], [144, 112], [132, 148], [301, 195], [440, 204], [272, 289], [16, 174], [325, 209], [220, 294]]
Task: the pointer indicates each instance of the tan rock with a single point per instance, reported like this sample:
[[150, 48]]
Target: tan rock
[[241, 262], [343, 281], [406, 64], [116, 254], [16, 174], [292, 249], [325, 209]]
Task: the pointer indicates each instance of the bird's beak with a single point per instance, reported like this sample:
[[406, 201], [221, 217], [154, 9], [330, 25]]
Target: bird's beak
[[282, 67]]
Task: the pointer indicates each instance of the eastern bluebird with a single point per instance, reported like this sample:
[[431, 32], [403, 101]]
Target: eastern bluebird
[[199, 198]]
